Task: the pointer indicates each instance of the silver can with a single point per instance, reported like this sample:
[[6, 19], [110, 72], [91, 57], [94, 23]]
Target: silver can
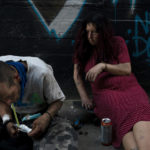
[[106, 131]]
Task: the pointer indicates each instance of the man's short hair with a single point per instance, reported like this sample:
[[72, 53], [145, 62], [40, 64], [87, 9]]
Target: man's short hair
[[6, 74]]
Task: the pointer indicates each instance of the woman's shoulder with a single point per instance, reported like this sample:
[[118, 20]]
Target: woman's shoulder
[[118, 39]]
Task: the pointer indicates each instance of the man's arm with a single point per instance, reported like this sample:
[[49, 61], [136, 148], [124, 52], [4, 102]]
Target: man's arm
[[53, 109], [6, 115], [41, 123], [5, 109], [53, 96]]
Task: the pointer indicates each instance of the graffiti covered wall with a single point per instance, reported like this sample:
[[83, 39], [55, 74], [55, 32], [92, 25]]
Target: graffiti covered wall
[[47, 29]]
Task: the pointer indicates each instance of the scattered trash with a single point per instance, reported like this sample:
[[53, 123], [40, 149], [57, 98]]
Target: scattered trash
[[96, 121], [83, 133], [77, 124], [72, 107], [31, 117], [80, 132]]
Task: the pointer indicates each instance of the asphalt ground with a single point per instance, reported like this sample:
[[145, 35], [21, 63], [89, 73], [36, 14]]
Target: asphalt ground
[[86, 124]]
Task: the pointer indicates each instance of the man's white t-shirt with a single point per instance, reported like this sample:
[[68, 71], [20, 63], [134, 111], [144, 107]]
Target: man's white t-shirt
[[41, 88]]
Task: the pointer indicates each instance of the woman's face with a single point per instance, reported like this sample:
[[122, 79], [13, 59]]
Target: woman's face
[[92, 34]]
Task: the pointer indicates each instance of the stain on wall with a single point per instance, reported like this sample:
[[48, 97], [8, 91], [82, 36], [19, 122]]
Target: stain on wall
[[47, 29]]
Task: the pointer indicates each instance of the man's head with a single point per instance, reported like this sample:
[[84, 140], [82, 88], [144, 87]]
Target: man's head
[[9, 84]]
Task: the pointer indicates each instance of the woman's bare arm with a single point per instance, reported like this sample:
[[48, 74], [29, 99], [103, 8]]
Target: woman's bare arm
[[81, 88]]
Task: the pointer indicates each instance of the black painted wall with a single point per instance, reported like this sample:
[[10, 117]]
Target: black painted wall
[[47, 29]]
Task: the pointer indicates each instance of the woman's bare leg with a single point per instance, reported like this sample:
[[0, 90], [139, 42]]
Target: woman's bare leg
[[141, 132], [129, 142]]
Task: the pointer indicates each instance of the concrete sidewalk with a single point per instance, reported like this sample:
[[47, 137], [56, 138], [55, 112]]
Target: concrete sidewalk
[[88, 128]]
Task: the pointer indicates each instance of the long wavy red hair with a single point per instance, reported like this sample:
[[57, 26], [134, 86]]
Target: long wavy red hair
[[83, 49]]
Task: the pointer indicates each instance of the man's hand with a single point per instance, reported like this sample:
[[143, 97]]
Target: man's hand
[[12, 130], [39, 126], [5, 109]]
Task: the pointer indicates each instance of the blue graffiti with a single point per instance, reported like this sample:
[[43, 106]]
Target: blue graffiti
[[115, 3], [52, 32], [141, 25], [132, 2]]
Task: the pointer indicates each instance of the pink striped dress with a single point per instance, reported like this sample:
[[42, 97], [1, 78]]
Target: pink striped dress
[[119, 98]]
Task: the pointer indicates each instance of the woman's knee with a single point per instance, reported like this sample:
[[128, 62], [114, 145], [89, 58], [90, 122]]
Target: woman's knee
[[141, 128], [129, 142], [141, 132]]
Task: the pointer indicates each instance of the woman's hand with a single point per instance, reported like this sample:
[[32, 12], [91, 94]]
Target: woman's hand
[[87, 103], [39, 126], [94, 71]]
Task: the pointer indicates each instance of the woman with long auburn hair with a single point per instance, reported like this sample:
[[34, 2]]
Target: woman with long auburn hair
[[103, 60]]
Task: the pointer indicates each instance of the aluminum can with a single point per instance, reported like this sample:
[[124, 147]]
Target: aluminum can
[[106, 131]]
